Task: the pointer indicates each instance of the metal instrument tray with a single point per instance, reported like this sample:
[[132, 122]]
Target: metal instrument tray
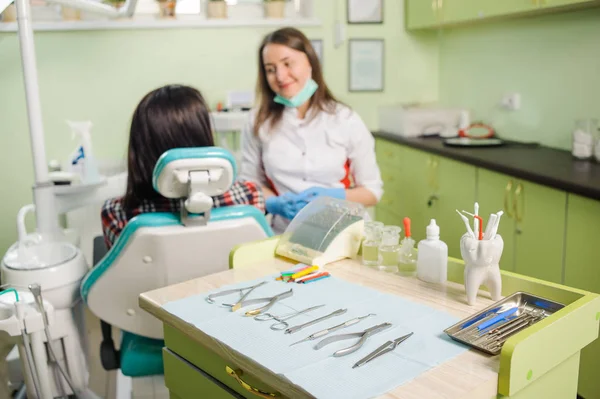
[[524, 301]]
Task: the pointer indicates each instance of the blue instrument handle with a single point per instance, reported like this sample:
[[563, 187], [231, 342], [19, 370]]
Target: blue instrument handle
[[481, 316], [496, 319]]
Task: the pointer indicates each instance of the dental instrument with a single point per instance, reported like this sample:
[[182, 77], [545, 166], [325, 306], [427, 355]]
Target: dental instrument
[[467, 224], [297, 328], [477, 226], [281, 320], [270, 302], [329, 330], [495, 229], [362, 335], [490, 226], [235, 306], [389, 346]]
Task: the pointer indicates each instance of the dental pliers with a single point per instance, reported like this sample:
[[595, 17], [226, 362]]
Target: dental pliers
[[363, 335], [270, 302], [237, 305]]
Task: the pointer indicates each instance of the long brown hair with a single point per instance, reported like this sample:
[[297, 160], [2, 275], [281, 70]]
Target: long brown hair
[[172, 116], [268, 109]]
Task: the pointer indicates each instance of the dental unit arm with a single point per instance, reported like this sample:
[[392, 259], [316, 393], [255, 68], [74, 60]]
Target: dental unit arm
[[59, 328]]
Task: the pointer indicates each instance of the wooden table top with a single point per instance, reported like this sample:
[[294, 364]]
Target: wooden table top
[[468, 376]]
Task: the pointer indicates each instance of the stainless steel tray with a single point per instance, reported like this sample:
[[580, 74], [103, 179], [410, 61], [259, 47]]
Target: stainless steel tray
[[530, 310]]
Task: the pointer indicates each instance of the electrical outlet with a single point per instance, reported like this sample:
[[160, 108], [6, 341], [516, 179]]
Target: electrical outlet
[[511, 101]]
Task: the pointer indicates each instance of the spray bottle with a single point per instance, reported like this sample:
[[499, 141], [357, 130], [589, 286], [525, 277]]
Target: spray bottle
[[407, 259], [432, 264], [82, 161]]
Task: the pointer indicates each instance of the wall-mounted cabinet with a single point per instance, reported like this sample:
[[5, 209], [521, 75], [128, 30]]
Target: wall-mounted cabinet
[[425, 14]]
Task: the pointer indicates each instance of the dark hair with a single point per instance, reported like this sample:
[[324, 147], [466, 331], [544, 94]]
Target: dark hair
[[169, 117], [268, 109]]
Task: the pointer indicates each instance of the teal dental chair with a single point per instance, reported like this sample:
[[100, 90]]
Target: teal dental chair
[[159, 249]]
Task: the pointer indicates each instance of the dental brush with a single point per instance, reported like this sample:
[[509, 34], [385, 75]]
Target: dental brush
[[467, 224]]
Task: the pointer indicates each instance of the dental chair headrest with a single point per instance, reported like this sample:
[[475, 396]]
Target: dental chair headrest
[[196, 174]]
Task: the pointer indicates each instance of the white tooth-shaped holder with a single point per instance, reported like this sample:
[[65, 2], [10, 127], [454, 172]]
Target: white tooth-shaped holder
[[482, 265]]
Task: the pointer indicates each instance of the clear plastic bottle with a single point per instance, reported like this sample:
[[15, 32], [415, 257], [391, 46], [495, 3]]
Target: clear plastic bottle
[[370, 245], [407, 258], [390, 248]]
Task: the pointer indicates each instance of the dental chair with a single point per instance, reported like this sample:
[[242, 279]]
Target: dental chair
[[155, 250]]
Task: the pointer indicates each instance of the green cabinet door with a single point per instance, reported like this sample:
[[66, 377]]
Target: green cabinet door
[[582, 257], [422, 13], [540, 231], [417, 184], [493, 8], [582, 270], [494, 194], [454, 11], [455, 184]]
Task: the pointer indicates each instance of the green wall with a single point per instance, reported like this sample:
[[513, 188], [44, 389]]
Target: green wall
[[552, 60], [101, 75]]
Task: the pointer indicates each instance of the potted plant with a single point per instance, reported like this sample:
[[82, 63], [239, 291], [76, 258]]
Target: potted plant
[[167, 8], [9, 14], [216, 9], [274, 8], [70, 13]]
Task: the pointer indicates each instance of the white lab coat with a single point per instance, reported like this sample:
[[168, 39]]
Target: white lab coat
[[330, 150]]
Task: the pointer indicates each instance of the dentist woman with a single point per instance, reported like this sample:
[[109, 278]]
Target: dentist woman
[[300, 142]]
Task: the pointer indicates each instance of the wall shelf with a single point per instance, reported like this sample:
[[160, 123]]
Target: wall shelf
[[152, 22]]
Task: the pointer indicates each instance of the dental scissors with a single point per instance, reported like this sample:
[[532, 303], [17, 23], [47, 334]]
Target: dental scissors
[[237, 305], [270, 302], [363, 335], [281, 320]]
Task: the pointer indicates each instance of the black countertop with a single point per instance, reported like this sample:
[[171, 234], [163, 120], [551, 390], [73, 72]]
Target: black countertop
[[538, 164]]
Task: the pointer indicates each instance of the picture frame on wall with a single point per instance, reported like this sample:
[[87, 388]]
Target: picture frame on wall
[[366, 59], [318, 46], [364, 11]]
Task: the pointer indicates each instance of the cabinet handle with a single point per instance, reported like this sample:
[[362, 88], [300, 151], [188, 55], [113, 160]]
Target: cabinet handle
[[507, 191], [518, 198], [237, 375]]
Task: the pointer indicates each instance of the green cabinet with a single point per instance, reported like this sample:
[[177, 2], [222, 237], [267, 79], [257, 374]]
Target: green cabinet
[[422, 187], [582, 257], [423, 13], [532, 226], [427, 14]]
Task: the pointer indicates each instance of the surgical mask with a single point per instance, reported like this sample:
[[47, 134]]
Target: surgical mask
[[307, 91]]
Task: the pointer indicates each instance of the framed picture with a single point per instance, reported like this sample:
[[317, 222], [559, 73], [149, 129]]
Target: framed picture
[[366, 59], [365, 11], [318, 46]]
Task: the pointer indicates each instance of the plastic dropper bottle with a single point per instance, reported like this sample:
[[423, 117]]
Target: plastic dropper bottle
[[432, 263], [370, 246], [390, 248], [407, 258]]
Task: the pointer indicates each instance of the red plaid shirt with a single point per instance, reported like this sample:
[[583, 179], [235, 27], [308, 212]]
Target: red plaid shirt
[[115, 216]]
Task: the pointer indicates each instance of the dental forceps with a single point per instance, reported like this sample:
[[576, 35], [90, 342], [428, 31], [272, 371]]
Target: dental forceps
[[329, 330], [281, 320], [237, 305], [270, 302], [382, 350], [363, 335]]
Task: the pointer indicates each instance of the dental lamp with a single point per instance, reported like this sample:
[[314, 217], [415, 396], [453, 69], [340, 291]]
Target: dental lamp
[[45, 262]]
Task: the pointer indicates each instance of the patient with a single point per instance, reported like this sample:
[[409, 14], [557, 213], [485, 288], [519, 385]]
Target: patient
[[169, 117]]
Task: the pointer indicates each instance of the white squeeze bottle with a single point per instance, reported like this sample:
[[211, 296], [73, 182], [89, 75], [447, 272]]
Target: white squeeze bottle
[[432, 260]]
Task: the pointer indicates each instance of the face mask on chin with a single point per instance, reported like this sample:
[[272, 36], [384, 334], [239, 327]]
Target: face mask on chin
[[307, 91]]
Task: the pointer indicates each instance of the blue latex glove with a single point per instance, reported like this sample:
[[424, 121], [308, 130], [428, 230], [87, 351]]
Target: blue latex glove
[[314, 192], [284, 205]]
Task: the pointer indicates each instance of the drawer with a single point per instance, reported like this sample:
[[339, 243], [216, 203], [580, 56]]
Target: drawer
[[215, 366], [185, 381], [388, 153]]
